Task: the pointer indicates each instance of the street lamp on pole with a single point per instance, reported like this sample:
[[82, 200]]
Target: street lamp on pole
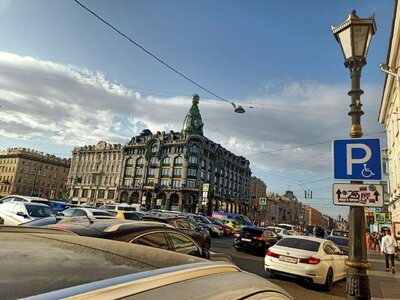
[[354, 36]]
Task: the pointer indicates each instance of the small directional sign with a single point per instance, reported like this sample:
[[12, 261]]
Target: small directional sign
[[368, 195], [262, 201]]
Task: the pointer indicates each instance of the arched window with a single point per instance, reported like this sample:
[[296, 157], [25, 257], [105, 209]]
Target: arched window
[[166, 161], [194, 148], [178, 160], [129, 162], [154, 148], [139, 161]]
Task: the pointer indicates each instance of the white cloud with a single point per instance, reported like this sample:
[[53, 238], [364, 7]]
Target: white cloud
[[66, 105]]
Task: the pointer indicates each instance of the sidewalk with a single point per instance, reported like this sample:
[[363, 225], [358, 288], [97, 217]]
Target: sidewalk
[[383, 285]]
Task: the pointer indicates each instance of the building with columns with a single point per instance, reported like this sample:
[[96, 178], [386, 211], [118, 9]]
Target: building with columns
[[94, 176]]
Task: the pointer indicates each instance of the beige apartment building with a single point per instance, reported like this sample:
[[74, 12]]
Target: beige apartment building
[[28, 172], [389, 114], [94, 176]]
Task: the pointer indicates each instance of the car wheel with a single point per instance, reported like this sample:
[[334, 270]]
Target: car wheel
[[272, 274], [329, 280]]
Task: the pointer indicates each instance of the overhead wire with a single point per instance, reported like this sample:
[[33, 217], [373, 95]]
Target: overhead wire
[[152, 55]]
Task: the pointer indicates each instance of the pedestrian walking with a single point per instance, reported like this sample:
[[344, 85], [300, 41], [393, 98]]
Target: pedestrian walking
[[388, 248]]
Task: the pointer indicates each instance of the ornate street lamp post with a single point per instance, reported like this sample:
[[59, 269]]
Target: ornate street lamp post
[[354, 36]]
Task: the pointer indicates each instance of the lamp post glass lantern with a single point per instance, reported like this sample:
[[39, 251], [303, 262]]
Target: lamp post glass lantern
[[354, 36]]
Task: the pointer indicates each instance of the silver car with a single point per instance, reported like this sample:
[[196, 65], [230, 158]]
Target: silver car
[[49, 266], [15, 213]]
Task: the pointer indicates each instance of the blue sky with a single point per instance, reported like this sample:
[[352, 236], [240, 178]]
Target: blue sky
[[68, 80]]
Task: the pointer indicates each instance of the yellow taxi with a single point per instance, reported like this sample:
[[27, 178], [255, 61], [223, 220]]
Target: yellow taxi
[[127, 215]]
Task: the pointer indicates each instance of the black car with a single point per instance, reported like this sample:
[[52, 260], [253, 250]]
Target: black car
[[341, 241], [153, 234], [254, 239], [186, 225]]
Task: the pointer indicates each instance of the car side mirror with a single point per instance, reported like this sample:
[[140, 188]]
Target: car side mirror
[[22, 214]]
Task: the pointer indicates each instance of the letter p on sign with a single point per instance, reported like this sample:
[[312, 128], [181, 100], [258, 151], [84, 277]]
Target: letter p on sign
[[351, 160]]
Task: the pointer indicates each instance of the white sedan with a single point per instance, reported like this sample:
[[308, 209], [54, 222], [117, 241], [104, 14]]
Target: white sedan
[[316, 260]]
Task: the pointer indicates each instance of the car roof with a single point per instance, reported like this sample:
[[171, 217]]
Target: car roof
[[108, 225], [89, 259], [30, 204], [28, 198]]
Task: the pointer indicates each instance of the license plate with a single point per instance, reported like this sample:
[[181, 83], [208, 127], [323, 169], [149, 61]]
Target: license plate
[[246, 240], [288, 259]]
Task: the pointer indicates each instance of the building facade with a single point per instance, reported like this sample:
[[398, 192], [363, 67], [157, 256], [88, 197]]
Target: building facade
[[94, 176], [258, 189], [389, 115], [184, 171], [316, 218], [28, 172], [282, 209]]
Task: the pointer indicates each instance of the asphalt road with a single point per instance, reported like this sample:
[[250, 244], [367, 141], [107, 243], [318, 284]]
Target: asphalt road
[[254, 264]]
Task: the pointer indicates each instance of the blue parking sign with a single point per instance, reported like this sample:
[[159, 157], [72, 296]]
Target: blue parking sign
[[357, 159]]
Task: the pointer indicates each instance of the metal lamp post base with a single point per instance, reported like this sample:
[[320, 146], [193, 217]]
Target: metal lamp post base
[[357, 284]]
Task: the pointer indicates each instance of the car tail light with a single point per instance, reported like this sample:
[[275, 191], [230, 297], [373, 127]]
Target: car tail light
[[310, 260], [237, 234], [258, 238], [270, 253]]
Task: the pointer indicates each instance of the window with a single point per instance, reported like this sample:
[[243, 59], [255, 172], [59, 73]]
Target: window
[[127, 182], [128, 172], [110, 194], [165, 182], [193, 160], [151, 171], [177, 172], [139, 171], [191, 184], [166, 161], [176, 183], [76, 192], [139, 161], [153, 160], [137, 182], [184, 245], [192, 172], [194, 148], [299, 244], [129, 162], [164, 171], [178, 160], [85, 193], [149, 181], [156, 240], [154, 148], [182, 224], [101, 194]]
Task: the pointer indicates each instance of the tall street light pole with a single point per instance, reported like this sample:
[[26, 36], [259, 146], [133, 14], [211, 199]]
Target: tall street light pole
[[354, 36]]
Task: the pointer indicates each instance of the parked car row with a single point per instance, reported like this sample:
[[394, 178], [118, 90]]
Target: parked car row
[[110, 269]]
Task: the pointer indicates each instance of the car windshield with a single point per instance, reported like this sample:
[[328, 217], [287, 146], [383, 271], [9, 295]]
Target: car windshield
[[340, 233], [205, 220], [302, 244], [39, 211], [102, 213], [341, 241]]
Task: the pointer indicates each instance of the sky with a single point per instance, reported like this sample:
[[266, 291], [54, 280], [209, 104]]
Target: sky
[[67, 79]]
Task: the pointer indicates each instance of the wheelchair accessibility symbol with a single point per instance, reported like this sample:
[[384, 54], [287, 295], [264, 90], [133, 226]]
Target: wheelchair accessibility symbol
[[366, 172]]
